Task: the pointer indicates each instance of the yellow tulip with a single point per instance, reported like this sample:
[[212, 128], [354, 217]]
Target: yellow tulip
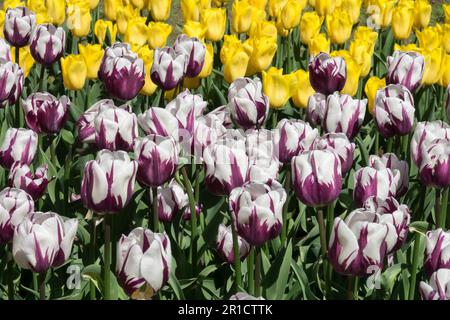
[[235, 57], [230, 42], [208, 64], [124, 15], [92, 55], [220, 3], [339, 26], [402, 22], [147, 56], [325, 7], [445, 77], [79, 19], [303, 89], [160, 9], [434, 65], [40, 10], [93, 4], [102, 27], [12, 4], [366, 34], [409, 47], [430, 37], [74, 71], [241, 16], [310, 25], [446, 8], [446, 37], [137, 32], [291, 14], [264, 49], [260, 4], [280, 28], [215, 21], [194, 29], [278, 87], [26, 61], [371, 88], [263, 28], [318, 44], [353, 72], [422, 13], [191, 10], [56, 11], [353, 8], [275, 7], [158, 32], [361, 52], [139, 4], [110, 8], [2, 22], [381, 12]]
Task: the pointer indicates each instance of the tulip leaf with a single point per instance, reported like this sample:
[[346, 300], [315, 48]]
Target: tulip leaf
[[277, 276], [303, 280], [419, 226], [67, 136], [176, 287], [223, 100]]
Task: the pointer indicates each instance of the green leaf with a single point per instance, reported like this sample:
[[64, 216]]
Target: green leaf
[[67, 136], [276, 278]]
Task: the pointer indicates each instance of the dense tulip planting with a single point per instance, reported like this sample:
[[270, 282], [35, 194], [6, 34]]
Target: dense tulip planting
[[242, 150]]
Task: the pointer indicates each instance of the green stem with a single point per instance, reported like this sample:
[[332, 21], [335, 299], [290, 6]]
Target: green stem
[[258, 271], [322, 232], [237, 256], [389, 144], [415, 261], [41, 78], [250, 271], [10, 268], [42, 276], [154, 190], [444, 206], [67, 166], [107, 259], [287, 184], [92, 253], [189, 191], [437, 208], [35, 282], [52, 146], [161, 99], [17, 107]]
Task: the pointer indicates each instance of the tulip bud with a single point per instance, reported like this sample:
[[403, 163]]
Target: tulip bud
[[310, 25], [144, 262], [317, 106], [324, 7], [15, 205], [437, 251], [158, 32], [291, 14], [390, 161], [318, 44], [341, 145], [327, 75], [278, 86], [207, 130], [93, 56], [405, 68], [171, 200], [108, 182], [225, 245], [168, 68], [18, 145], [215, 20], [435, 289], [122, 72], [293, 137], [372, 86], [43, 240], [74, 71], [303, 90], [190, 10], [78, 18], [85, 124], [11, 82], [187, 212], [158, 121], [160, 9], [102, 28], [422, 12], [257, 211], [362, 53], [18, 26], [315, 183], [402, 21], [339, 26], [424, 134], [22, 177], [435, 166], [241, 16], [344, 114], [47, 44], [194, 52]]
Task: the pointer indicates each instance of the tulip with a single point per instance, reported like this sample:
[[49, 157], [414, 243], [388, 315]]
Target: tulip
[[377, 181], [291, 14], [353, 72], [235, 56], [424, 135], [310, 25], [324, 7], [147, 57], [102, 28], [46, 113], [15, 205], [160, 9], [372, 86], [207, 130], [436, 253], [215, 21], [43, 240], [382, 12], [108, 182], [92, 55], [422, 13], [222, 115], [315, 183], [137, 32], [275, 7], [115, 128], [429, 37], [18, 145], [394, 111], [341, 145], [259, 4], [263, 28], [391, 161], [122, 72], [56, 11], [158, 121], [363, 33], [208, 63], [406, 68], [74, 70], [248, 105], [344, 114], [278, 87], [435, 166], [18, 26], [5, 51], [158, 32], [402, 21], [317, 106], [224, 245], [437, 288], [303, 90], [21, 177], [126, 14], [434, 65], [194, 52], [339, 26], [263, 51], [241, 16], [318, 44], [47, 43], [327, 74], [360, 50], [11, 82], [168, 68], [171, 200], [191, 10], [79, 19], [144, 261], [257, 211], [292, 137], [353, 8], [85, 124]]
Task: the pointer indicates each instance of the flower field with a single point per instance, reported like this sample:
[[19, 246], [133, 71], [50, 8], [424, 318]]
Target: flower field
[[224, 150]]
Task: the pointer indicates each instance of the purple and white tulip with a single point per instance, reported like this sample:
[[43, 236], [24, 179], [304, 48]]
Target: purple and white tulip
[[326, 74], [168, 68], [223, 115], [159, 121], [394, 111], [18, 26], [194, 51], [18, 145], [43, 240], [424, 134], [11, 82], [48, 43], [437, 253], [435, 168], [257, 211], [225, 245], [15, 205], [391, 161], [44, 113], [247, 103], [171, 200], [317, 106], [108, 182], [438, 287], [317, 177], [85, 124], [341, 145], [5, 50], [22, 177], [207, 130], [144, 261], [406, 69]]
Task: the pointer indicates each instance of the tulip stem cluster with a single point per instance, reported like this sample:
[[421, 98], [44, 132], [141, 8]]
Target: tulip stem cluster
[[107, 258]]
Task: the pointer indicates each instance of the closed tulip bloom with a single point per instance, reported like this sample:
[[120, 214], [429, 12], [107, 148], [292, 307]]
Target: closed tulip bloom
[[241, 16], [79, 19], [56, 11], [186, 108], [275, 7], [263, 52], [434, 65], [278, 87], [146, 54], [44, 113], [194, 29], [364, 33], [22, 177], [171, 200], [383, 11], [207, 130], [361, 52], [85, 124], [372, 86], [92, 55], [437, 253], [137, 32], [18, 145], [435, 167], [11, 81], [15, 205], [168, 68], [339, 26], [215, 21], [394, 111], [303, 90], [125, 14], [430, 37], [293, 137], [158, 32], [74, 70], [18, 26], [158, 121], [317, 107], [160, 9], [353, 71], [310, 25], [224, 245], [377, 181], [257, 211], [402, 21], [437, 288], [344, 114], [327, 74], [115, 128], [291, 14], [391, 161], [406, 68], [102, 28], [194, 51], [424, 135], [191, 10], [208, 64], [248, 105], [445, 78], [324, 7], [5, 50], [263, 28], [318, 44], [47, 43], [43, 240], [341, 145], [422, 13], [144, 262], [235, 56]]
